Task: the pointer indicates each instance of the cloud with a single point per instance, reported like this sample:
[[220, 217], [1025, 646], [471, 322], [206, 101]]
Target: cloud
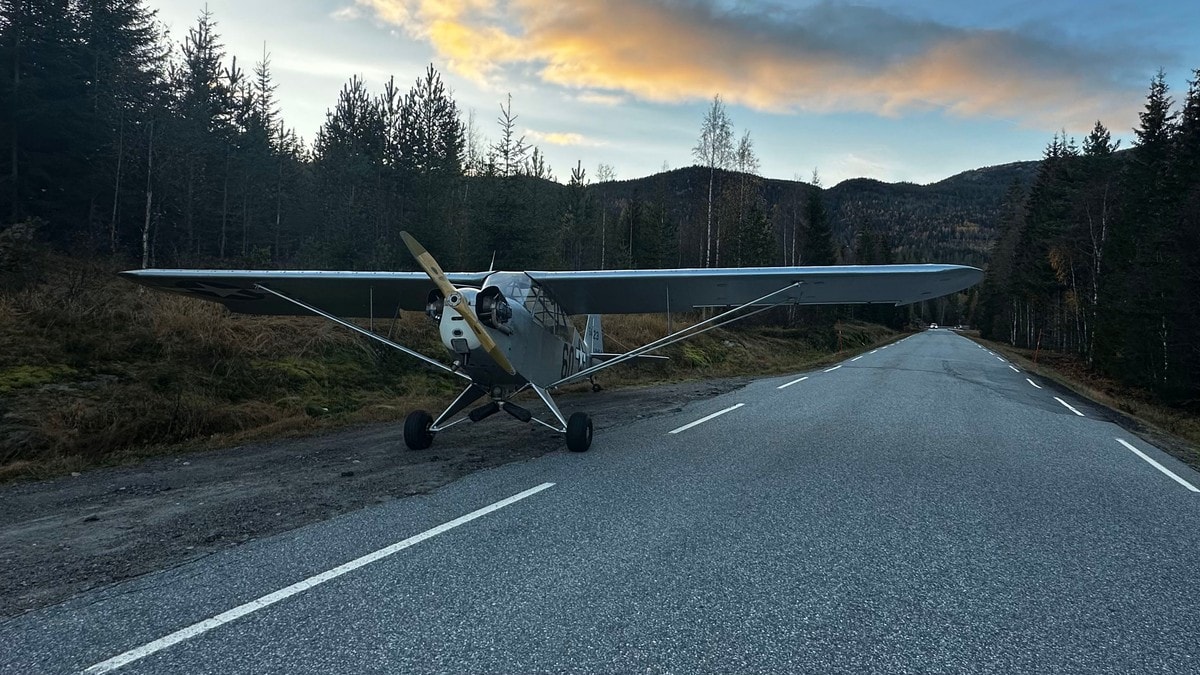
[[347, 13], [597, 98], [825, 58], [564, 138]]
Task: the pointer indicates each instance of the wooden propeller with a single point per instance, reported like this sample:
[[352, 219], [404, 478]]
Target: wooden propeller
[[455, 299]]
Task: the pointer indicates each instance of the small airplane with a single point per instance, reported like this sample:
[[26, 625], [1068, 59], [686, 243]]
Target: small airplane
[[508, 332]]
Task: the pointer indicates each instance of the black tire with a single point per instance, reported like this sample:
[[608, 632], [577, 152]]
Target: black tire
[[596, 387], [417, 435], [579, 432]]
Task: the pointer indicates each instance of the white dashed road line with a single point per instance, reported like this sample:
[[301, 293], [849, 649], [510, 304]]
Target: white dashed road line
[[1158, 466], [785, 386], [1069, 407], [856, 358], [702, 420], [1014, 368], [832, 369], [300, 586], [1032, 382]]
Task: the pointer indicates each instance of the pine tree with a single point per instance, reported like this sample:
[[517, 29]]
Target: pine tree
[[1185, 184], [818, 234], [430, 142], [1134, 333], [349, 169], [48, 122]]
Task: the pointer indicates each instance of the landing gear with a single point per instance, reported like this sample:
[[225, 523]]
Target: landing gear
[[420, 428], [417, 435], [595, 385], [579, 432]]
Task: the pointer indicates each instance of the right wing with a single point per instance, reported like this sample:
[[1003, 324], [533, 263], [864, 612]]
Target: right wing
[[663, 290], [348, 294]]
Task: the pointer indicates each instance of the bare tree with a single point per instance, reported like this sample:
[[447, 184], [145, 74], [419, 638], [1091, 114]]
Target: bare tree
[[714, 151], [605, 173]]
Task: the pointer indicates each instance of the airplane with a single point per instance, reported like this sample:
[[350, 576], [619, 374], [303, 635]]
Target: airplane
[[508, 332]]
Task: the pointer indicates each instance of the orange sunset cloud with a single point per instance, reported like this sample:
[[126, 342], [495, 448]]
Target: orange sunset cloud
[[823, 59]]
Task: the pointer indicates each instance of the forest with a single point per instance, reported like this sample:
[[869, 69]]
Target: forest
[[1099, 257], [116, 144]]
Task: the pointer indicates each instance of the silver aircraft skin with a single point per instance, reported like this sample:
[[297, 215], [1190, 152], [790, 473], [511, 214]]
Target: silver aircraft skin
[[508, 332]]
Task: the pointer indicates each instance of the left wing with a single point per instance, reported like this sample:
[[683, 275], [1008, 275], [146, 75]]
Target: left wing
[[645, 291], [350, 294]]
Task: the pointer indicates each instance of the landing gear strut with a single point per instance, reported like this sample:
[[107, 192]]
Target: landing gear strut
[[420, 427]]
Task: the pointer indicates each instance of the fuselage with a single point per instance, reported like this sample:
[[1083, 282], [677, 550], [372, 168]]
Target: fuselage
[[538, 338]]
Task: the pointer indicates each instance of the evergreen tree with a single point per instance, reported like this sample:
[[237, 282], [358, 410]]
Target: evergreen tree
[[349, 170], [431, 139], [1185, 184], [48, 124], [818, 234], [1137, 330]]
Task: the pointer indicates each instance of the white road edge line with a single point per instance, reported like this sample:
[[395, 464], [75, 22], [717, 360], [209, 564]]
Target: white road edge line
[[856, 358], [1158, 466], [785, 386], [874, 350], [1002, 359], [299, 587], [702, 420], [1069, 407], [1032, 382], [1014, 368], [831, 369]]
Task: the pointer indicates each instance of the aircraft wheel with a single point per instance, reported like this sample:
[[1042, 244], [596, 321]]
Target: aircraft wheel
[[417, 435], [596, 387], [579, 432]]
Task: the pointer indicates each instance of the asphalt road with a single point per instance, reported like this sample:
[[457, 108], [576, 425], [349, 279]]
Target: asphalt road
[[921, 508]]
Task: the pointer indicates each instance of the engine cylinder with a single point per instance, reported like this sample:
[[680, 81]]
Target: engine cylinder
[[434, 305], [492, 308]]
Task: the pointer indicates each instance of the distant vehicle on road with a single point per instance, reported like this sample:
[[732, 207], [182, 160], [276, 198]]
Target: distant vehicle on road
[[932, 326]]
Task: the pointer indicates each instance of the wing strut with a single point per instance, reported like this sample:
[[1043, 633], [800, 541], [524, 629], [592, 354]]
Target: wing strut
[[378, 338], [683, 334]]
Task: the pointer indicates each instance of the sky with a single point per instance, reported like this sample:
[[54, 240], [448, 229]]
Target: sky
[[895, 90]]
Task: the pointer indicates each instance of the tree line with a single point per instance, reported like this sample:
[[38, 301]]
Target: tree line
[[118, 142], [1100, 255]]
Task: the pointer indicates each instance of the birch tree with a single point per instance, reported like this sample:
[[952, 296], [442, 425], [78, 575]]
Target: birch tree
[[714, 151]]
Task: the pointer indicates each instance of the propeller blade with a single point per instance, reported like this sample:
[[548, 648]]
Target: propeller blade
[[457, 301]]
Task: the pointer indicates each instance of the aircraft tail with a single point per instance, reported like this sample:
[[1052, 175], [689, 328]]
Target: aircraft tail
[[593, 335]]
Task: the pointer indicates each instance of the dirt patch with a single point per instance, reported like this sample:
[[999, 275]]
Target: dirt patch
[[71, 534]]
